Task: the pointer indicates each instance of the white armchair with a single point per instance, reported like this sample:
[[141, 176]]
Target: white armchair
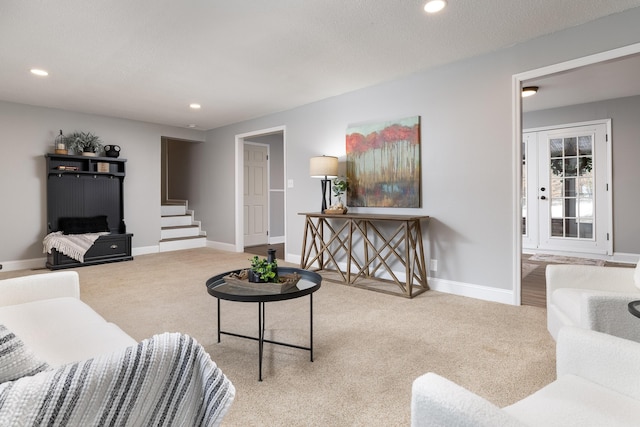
[[593, 297], [598, 383]]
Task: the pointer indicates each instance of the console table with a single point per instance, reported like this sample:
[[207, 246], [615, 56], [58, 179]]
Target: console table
[[367, 245]]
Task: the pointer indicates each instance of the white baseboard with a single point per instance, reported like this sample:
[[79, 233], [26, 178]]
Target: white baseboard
[[485, 293], [293, 258], [25, 264], [145, 250], [276, 240], [229, 247], [625, 258]]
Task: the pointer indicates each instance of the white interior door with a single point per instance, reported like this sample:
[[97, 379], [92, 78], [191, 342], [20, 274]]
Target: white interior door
[[256, 194], [566, 200]]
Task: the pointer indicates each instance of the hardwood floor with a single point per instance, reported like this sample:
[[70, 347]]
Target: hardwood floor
[[261, 250], [533, 290]]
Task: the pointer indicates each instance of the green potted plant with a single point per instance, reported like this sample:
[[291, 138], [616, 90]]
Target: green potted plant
[[85, 143], [263, 270], [339, 187]]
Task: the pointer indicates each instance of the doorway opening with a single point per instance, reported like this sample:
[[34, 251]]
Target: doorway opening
[[260, 190], [175, 158], [518, 81]]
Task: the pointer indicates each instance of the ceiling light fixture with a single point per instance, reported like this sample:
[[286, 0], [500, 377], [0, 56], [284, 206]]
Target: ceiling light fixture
[[39, 72], [529, 91], [191, 126], [433, 6], [194, 106]]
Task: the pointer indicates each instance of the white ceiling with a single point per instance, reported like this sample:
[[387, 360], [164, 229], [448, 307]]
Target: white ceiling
[[149, 59], [606, 80]]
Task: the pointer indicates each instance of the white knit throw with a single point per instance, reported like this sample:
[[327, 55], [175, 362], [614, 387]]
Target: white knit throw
[[72, 245]]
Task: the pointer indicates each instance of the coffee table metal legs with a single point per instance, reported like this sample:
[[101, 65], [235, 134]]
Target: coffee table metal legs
[[311, 326], [260, 338], [218, 319], [261, 329]]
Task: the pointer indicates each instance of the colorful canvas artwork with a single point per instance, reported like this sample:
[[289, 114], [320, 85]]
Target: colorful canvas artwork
[[383, 164]]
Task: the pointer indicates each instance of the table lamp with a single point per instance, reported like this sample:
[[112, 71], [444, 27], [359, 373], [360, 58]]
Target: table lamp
[[324, 167]]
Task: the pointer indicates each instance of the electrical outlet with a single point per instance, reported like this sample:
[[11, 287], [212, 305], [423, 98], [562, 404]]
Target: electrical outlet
[[433, 265], [290, 183]]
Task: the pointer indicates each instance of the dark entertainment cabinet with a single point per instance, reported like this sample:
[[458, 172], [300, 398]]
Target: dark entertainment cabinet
[[82, 187]]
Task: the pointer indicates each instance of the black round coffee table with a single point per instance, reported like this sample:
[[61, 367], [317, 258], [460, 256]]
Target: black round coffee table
[[634, 308], [307, 285]]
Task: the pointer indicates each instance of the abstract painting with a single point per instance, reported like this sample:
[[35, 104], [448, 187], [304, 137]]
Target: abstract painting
[[383, 164]]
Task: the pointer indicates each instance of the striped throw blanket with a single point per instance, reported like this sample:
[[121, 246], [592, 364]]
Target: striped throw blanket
[[167, 380]]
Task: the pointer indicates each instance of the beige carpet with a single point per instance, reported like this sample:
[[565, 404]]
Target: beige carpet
[[369, 346]]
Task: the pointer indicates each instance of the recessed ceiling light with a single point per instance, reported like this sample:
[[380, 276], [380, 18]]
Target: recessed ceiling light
[[39, 72], [191, 126], [529, 91], [433, 6], [194, 106]]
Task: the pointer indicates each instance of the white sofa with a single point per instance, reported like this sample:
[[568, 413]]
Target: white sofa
[[593, 297], [46, 312], [63, 363], [598, 384]]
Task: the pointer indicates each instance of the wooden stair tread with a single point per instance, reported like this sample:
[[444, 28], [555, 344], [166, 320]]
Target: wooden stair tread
[[173, 239], [175, 227]]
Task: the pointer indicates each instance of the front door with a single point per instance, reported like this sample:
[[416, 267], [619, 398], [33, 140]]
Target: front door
[[256, 195], [566, 200]]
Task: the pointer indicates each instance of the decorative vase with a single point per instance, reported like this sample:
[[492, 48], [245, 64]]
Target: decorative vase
[[112, 150], [253, 277], [59, 145]]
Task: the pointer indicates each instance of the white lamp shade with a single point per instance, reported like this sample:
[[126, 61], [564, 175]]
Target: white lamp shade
[[323, 166]]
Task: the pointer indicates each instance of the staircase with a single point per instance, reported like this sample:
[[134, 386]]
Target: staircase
[[179, 229]]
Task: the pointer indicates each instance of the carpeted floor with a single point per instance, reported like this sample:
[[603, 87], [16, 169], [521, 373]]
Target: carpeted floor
[[368, 346]]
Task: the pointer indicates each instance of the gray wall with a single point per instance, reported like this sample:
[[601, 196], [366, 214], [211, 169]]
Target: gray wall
[[467, 149], [27, 135], [625, 126]]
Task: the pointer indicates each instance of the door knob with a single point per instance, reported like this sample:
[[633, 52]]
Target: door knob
[[542, 189]]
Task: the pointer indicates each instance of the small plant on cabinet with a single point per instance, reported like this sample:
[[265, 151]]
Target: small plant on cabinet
[[83, 142]]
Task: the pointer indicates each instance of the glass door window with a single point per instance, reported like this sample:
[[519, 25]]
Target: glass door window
[[571, 182]]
